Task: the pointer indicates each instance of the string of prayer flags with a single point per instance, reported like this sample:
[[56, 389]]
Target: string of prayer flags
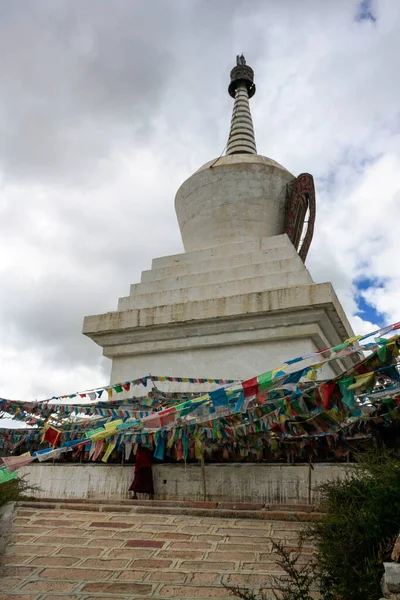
[[96, 393], [277, 402], [191, 380], [350, 346]]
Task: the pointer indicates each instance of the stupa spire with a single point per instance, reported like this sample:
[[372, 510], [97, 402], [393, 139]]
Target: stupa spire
[[241, 88]]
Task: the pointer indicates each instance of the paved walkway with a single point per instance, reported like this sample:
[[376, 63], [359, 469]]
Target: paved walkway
[[77, 552]]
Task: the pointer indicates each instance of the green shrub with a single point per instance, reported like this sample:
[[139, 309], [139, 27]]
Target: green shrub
[[15, 490], [362, 522], [298, 580], [296, 584], [353, 540]]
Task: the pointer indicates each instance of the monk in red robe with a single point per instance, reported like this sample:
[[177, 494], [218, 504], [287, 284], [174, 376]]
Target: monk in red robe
[[143, 479]]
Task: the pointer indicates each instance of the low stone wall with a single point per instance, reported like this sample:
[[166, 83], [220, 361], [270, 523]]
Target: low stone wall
[[237, 482]]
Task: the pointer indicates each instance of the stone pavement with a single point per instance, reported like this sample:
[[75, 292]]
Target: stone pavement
[[82, 551]]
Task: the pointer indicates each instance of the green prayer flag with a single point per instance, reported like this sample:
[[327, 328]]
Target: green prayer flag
[[381, 352], [347, 395], [91, 432], [6, 475], [265, 381], [340, 347]]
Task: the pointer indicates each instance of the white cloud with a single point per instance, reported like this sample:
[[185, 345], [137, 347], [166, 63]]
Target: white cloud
[[103, 114], [358, 234]]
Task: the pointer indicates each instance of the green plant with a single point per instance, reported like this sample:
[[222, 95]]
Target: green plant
[[352, 541], [299, 579], [245, 593], [294, 585], [361, 524], [15, 490]]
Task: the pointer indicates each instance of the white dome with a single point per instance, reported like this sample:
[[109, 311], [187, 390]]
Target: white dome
[[234, 198]]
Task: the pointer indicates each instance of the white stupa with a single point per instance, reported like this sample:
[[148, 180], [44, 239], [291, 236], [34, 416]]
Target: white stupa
[[239, 301]]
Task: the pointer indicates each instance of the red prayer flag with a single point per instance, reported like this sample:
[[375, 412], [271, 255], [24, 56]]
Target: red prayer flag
[[326, 391], [250, 387], [52, 436]]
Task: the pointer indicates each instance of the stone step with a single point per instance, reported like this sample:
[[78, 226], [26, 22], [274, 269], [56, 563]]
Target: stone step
[[80, 551], [218, 276], [204, 266], [215, 290], [247, 510], [223, 251]]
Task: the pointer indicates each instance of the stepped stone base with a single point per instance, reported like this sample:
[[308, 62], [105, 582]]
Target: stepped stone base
[[232, 311], [79, 552]]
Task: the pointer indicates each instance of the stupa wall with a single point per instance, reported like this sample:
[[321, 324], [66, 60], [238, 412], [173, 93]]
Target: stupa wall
[[225, 482], [223, 355], [232, 312]]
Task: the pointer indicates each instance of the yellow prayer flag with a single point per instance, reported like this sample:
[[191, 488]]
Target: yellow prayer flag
[[113, 424], [393, 347], [353, 339], [288, 408], [278, 370], [101, 435], [110, 448], [312, 374], [198, 448], [362, 380]]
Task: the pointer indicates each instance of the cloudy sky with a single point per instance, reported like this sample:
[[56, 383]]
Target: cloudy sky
[[106, 107]]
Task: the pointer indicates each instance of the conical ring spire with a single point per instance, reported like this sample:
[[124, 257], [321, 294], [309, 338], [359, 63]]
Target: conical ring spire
[[241, 136]]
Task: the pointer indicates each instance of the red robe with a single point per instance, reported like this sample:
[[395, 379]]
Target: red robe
[[143, 480]]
